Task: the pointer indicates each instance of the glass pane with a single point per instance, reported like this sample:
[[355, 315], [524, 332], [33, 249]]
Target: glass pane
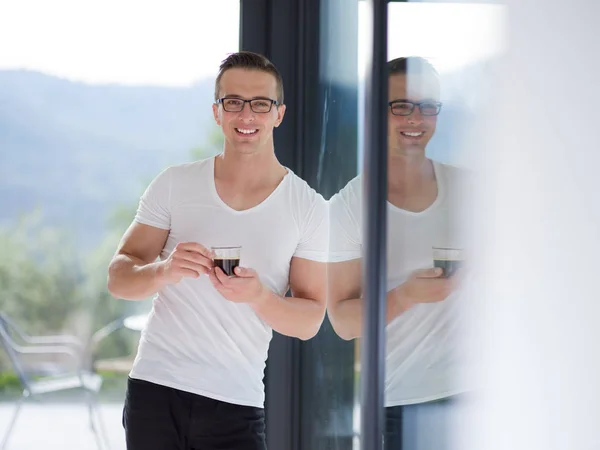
[[443, 87], [334, 412], [431, 169], [96, 99]]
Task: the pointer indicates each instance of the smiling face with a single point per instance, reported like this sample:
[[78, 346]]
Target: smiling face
[[410, 134], [248, 131]]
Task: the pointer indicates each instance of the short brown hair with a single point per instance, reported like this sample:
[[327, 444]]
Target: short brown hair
[[250, 61], [410, 64]]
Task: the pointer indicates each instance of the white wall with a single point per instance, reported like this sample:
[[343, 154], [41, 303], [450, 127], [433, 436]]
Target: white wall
[[539, 260]]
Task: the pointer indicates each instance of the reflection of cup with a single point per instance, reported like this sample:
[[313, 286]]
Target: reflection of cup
[[447, 259], [227, 258]]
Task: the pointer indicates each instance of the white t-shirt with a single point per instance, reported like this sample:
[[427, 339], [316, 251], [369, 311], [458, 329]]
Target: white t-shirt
[[421, 356], [196, 340]]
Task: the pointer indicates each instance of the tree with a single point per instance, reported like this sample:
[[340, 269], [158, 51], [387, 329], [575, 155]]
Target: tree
[[40, 274], [40, 277]]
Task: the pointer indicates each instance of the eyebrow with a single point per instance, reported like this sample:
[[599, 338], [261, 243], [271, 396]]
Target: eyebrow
[[242, 98], [426, 100]]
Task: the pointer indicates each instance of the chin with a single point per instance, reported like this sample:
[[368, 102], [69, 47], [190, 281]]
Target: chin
[[409, 151], [246, 149]]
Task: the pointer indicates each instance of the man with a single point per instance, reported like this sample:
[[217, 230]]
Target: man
[[196, 382], [423, 200]]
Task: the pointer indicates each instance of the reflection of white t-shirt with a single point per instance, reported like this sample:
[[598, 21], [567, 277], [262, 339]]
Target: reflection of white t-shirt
[[420, 351], [196, 340]]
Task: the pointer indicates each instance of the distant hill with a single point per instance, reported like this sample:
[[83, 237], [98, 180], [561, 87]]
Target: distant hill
[[76, 150]]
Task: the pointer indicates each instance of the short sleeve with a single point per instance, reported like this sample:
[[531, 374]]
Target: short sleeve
[[345, 241], [154, 206], [314, 229]]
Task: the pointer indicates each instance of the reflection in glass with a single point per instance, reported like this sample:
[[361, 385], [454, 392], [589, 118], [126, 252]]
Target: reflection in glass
[[421, 196], [428, 208]]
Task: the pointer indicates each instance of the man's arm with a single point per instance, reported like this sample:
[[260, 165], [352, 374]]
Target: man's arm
[[134, 273], [298, 316], [344, 302], [302, 314]]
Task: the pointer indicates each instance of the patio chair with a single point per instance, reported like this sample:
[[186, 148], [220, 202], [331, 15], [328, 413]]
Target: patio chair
[[17, 343]]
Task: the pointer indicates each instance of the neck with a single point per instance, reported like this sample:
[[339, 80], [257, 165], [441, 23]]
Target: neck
[[248, 168], [409, 173]]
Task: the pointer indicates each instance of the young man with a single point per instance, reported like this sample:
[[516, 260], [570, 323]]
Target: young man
[[423, 212], [196, 382]]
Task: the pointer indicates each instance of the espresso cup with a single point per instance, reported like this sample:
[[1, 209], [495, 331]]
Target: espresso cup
[[447, 259], [227, 258]]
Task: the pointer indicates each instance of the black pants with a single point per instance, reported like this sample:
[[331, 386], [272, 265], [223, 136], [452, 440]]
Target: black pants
[[157, 417], [393, 428]]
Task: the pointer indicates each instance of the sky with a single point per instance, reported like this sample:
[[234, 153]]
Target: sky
[[451, 35], [159, 42], [177, 42]]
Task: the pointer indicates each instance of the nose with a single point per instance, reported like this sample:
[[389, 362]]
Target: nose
[[246, 113], [415, 117]]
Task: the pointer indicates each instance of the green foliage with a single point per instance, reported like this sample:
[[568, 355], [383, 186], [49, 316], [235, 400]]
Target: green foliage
[[9, 383], [47, 287], [104, 308], [40, 274], [113, 385]]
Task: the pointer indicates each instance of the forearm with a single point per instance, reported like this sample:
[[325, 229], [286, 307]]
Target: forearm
[[348, 315], [131, 278], [291, 316]]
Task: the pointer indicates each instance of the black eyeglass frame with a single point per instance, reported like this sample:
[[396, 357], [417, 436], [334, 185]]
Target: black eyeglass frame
[[272, 102], [415, 104]]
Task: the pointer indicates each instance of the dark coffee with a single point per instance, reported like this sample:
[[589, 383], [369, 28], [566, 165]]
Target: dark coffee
[[227, 265], [449, 266]]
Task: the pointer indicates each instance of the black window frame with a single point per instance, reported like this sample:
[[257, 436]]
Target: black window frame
[[287, 32]]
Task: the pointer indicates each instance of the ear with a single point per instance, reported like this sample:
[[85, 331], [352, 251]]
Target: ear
[[216, 115], [280, 114]]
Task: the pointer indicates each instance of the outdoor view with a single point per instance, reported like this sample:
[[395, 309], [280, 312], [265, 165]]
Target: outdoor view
[[87, 119]]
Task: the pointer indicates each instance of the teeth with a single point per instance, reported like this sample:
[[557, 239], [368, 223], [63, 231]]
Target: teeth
[[414, 134], [244, 131]]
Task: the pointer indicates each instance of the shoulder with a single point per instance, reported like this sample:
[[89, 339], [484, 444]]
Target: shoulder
[[190, 168], [177, 179], [455, 175], [181, 175], [301, 191], [452, 170], [350, 195], [459, 184]]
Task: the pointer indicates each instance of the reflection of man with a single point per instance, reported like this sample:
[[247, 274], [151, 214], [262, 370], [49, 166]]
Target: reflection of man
[[197, 379], [422, 197]]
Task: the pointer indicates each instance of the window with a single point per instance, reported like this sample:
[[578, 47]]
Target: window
[[96, 99]]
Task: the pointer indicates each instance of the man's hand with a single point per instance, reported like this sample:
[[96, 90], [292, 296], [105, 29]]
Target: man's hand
[[424, 286], [189, 259], [246, 287]]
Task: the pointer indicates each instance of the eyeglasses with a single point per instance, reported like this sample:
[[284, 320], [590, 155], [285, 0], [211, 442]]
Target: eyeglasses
[[404, 108], [257, 105]]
